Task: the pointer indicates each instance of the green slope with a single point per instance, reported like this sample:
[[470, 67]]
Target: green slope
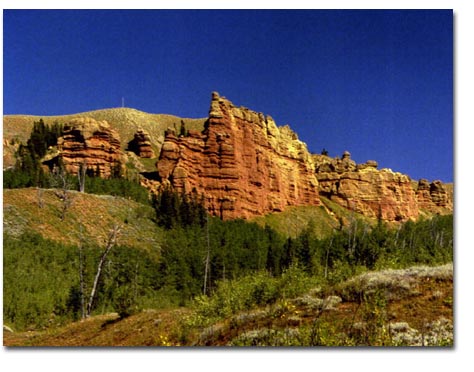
[[29, 210], [319, 220]]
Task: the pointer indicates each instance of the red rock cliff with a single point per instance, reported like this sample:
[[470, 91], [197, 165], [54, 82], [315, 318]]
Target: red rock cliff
[[378, 193], [93, 144], [242, 162]]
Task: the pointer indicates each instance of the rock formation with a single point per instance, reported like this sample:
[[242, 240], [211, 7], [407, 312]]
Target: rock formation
[[366, 190], [242, 162], [141, 144], [434, 197], [93, 144], [245, 165], [378, 193]]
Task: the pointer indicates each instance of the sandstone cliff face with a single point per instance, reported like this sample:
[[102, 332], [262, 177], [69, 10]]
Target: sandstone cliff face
[[434, 197], [364, 189], [93, 144], [242, 162], [378, 193]]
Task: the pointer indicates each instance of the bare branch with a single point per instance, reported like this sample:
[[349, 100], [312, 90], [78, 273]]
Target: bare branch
[[111, 241]]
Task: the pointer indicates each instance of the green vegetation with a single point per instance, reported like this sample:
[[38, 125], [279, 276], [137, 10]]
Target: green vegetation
[[249, 266], [116, 187], [41, 281], [173, 210], [27, 171]]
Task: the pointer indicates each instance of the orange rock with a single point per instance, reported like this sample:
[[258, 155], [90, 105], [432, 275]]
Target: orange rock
[[141, 144], [93, 144], [378, 193], [434, 197], [242, 162]]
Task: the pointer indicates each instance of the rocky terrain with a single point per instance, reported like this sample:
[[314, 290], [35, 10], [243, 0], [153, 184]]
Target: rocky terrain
[[91, 144], [141, 144], [126, 121], [240, 160]]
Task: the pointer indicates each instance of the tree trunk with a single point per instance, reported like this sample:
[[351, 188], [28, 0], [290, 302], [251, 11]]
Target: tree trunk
[[110, 244], [206, 268], [81, 276], [81, 176]]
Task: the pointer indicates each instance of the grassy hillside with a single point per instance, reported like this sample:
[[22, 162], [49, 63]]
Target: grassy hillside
[[97, 214], [320, 221], [125, 120]]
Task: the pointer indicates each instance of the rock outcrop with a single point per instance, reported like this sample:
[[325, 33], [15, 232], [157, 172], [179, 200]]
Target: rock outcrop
[[242, 162], [434, 197], [378, 193], [141, 144], [245, 166], [93, 144]]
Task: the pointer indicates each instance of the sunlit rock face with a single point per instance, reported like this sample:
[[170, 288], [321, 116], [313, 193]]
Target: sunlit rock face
[[92, 144], [243, 163], [434, 197], [375, 193]]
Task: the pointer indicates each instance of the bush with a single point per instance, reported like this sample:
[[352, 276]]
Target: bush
[[232, 296], [258, 289]]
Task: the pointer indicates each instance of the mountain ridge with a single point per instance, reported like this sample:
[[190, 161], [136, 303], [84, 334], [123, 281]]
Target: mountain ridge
[[242, 162]]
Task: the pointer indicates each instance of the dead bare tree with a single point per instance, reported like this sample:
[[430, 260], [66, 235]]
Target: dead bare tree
[[81, 176], [111, 241], [40, 193], [63, 190], [328, 248], [208, 257]]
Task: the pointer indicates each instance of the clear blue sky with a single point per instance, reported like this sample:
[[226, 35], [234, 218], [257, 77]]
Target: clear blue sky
[[376, 83]]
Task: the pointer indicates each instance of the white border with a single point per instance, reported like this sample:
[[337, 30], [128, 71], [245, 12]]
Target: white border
[[308, 359]]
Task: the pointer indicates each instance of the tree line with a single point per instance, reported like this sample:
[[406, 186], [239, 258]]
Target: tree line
[[28, 172], [197, 253]]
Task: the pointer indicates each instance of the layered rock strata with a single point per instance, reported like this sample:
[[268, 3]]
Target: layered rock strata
[[434, 197], [378, 193], [91, 144], [242, 162]]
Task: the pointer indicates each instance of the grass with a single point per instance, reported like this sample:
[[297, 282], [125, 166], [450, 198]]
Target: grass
[[422, 316], [321, 220], [97, 214], [395, 283]]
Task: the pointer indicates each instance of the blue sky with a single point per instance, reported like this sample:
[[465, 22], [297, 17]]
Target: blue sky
[[376, 83]]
